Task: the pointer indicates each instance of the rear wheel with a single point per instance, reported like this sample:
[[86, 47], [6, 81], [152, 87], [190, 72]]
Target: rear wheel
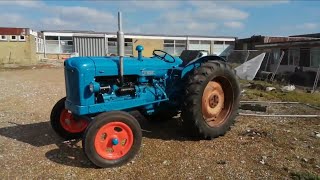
[[64, 123], [211, 100], [112, 139]]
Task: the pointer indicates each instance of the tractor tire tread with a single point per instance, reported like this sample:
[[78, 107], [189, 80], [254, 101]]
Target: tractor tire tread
[[192, 118]]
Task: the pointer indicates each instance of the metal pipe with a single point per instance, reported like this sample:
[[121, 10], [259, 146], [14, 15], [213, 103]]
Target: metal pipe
[[269, 102], [279, 102], [120, 46], [276, 70], [280, 115]]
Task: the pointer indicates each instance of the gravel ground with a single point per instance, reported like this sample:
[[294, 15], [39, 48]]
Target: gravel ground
[[255, 148]]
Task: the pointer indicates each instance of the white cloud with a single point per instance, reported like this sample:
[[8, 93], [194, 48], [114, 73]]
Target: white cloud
[[255, 3], [153, 5], [57, 23], [62, 17], [308, 26], [234, 24], [200, 18], [15, 20], [84, 14], [174, 17], [28, 4], [178, 28], [212, 10]]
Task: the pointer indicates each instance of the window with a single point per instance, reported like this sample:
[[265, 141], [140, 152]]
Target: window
[[128, 47], [52, 38], [168, 46], [205, 42], [304, 57], [66, 44], [3, 38], [218, 47], [39, 44], [179, 46], [315, 57], [294, 56], [52, 44], [218, 42], [174, 47], [22, 38], [229, 43], [274, 58], [13, 38], [284, 60], [112, 46], [194, 42]]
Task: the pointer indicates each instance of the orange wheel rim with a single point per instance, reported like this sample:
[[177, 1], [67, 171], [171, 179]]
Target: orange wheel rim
[[216, 103], [113, 140], [71, 125]]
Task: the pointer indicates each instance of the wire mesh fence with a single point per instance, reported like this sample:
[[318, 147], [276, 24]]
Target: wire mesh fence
[[283, 66]]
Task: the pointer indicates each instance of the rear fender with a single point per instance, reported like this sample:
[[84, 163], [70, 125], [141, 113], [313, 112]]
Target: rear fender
[[197, 62]]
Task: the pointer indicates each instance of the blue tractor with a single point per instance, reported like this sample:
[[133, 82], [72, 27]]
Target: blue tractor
[[102, 91]]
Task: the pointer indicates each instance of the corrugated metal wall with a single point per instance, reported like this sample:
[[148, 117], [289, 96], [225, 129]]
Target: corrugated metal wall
[[90, 46]]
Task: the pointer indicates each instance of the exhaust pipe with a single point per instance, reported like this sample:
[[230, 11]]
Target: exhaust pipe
[[120, 46]]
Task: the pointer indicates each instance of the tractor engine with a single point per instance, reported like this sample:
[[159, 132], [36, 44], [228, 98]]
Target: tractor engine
[[93, 84]]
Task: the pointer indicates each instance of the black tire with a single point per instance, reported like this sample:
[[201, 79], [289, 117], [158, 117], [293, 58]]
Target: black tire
[[192, 112], [88, 142], [56, 111]]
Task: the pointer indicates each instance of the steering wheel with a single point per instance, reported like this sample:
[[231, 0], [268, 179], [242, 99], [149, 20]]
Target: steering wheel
[[163, 57]]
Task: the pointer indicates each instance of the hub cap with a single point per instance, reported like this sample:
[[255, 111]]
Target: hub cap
[[71, 125], [215, 109], [113, 140]]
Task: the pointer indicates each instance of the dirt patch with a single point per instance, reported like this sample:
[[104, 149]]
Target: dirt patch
[[264, 148]]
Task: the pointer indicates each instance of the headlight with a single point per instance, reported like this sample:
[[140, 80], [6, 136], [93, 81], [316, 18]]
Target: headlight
[[94, 87], [91, 87]]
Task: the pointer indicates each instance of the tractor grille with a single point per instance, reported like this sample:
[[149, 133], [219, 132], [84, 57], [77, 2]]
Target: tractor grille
[[72, 86]]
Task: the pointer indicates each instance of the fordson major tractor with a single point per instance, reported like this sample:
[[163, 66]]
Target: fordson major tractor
[[102, 91]]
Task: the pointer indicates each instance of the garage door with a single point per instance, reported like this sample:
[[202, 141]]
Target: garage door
[[90, 46]]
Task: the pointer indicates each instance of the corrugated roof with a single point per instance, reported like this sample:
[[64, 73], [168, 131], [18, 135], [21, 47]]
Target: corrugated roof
[[306, 43], [314, 35], [13, 31]]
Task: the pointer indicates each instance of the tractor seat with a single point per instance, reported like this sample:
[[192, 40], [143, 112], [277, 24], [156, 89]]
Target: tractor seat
[[189, 55]]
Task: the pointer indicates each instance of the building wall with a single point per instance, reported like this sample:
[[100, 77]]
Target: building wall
[[148, 44], [58, 56], [18, 52]]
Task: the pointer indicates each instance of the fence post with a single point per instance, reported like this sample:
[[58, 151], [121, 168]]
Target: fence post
[[315, 84]]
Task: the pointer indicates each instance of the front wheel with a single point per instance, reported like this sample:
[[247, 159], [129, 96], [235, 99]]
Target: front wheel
[[112, 139], [64, 123], [211, 99]]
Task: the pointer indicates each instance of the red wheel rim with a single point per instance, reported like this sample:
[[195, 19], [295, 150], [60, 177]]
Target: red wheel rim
[[70, 124], [217, 100], [113, 140]]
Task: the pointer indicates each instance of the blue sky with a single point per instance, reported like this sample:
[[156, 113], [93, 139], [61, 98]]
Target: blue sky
[[215, 18]]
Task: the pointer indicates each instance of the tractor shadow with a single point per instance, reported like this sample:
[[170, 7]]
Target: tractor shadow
[[39, 135], [166, 129], [70, 153]]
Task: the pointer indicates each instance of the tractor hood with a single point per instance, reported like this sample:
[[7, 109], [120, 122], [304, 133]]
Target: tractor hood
[[109, 66]]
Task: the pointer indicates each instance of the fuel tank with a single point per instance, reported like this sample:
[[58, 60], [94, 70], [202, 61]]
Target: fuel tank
[[109, 66]]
